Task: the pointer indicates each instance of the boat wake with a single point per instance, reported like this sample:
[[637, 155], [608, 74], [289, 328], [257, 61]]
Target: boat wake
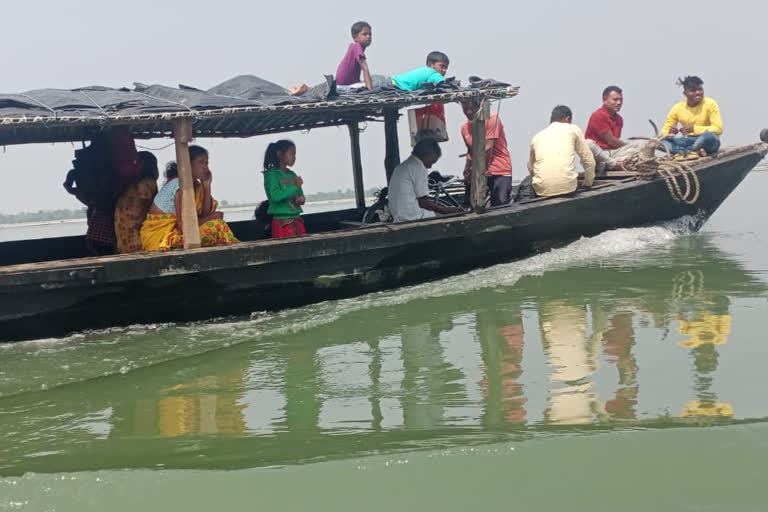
[[40, 365]]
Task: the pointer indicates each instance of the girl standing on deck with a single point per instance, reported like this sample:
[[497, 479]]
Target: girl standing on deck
[[283, 188], [162, 231]]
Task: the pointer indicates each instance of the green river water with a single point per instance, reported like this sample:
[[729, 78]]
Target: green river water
[[622, 372]]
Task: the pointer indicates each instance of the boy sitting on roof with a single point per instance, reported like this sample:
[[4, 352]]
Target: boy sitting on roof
[[434, 71], [699, 120], [354, 62]]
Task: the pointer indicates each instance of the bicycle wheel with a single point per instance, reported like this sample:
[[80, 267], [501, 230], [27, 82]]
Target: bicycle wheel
[[377, 212], [450, 203]]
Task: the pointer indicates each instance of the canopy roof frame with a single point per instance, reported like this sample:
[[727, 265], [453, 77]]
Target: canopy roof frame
[[228, 122]]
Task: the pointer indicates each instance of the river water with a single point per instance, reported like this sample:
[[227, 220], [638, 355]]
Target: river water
[[622, 372], [73, 227]]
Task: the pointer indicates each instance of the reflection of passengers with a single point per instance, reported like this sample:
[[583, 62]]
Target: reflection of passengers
[[571, 360], [133, 204], [162, 229], [408, 191], [424, 378], [500, 333], [553, 150], [618, 342]]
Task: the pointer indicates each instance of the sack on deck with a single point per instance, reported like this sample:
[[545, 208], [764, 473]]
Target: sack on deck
[[428, 122]]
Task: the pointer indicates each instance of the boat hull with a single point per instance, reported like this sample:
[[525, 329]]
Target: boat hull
[[56, 298]]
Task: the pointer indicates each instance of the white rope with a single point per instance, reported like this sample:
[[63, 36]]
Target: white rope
[[165, 100], [42, 104], [156, 149], [104, 112]]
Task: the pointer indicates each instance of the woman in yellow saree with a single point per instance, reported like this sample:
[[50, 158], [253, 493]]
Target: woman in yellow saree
[[161, 230]]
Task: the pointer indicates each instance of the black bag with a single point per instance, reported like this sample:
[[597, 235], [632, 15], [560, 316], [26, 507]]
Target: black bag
[[91, 178], [263, 218], [525, 190]]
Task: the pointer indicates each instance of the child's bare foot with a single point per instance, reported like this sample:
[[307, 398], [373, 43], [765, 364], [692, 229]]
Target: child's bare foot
[[298, 90]]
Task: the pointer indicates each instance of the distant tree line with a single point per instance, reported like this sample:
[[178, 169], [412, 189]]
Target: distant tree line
[[79, 213], [317, 196], [42, 216]]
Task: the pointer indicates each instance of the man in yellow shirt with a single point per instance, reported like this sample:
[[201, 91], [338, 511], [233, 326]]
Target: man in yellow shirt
[[693, 125], [553, 150]]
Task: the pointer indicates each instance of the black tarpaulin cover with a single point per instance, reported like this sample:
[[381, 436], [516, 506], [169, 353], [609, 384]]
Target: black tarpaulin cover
[[239, 107]]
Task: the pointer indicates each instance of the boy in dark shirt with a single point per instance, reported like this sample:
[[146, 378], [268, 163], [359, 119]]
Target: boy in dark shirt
[[353, 63]]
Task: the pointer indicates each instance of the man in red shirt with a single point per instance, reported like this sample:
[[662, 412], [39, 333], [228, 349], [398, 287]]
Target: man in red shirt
[[497, 160], [604, 132], [605, 124]]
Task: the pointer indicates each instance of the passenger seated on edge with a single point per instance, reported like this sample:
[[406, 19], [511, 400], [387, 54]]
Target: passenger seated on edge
[[433, 72], [604, 133], [408, 190], [133, 205], [283, 188], [551, 161], [354, 61], [162, 228], [699, 120]]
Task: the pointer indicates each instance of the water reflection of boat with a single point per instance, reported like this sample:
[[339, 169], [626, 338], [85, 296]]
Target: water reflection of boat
[[436, 372]]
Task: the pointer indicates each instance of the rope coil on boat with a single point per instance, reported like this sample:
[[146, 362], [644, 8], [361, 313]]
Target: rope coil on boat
[[647, 167]]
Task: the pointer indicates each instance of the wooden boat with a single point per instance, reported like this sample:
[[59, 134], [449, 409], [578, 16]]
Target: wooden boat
[[47, 287]]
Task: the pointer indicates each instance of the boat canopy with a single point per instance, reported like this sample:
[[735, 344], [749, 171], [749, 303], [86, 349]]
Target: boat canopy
[[243, 106]]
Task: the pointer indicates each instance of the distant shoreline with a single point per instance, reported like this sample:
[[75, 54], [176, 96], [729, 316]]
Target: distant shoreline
[[228, 209], [41, 223]]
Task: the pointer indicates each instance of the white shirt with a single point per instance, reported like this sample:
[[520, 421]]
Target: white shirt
[[551, 161], [407, 184]]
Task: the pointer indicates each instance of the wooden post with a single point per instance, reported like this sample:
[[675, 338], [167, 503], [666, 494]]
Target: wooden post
[[357, 164], [478, 181], [392, 156], [182, 133]]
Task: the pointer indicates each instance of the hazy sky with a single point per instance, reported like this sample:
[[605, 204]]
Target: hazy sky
[[557, 51]]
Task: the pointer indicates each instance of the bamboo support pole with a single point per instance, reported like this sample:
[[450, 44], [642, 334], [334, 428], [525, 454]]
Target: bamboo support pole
[[478, 181], [357, 164], [182, 133], [392, 155]]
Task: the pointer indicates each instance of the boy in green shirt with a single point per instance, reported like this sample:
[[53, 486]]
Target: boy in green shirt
[[434, 71]]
